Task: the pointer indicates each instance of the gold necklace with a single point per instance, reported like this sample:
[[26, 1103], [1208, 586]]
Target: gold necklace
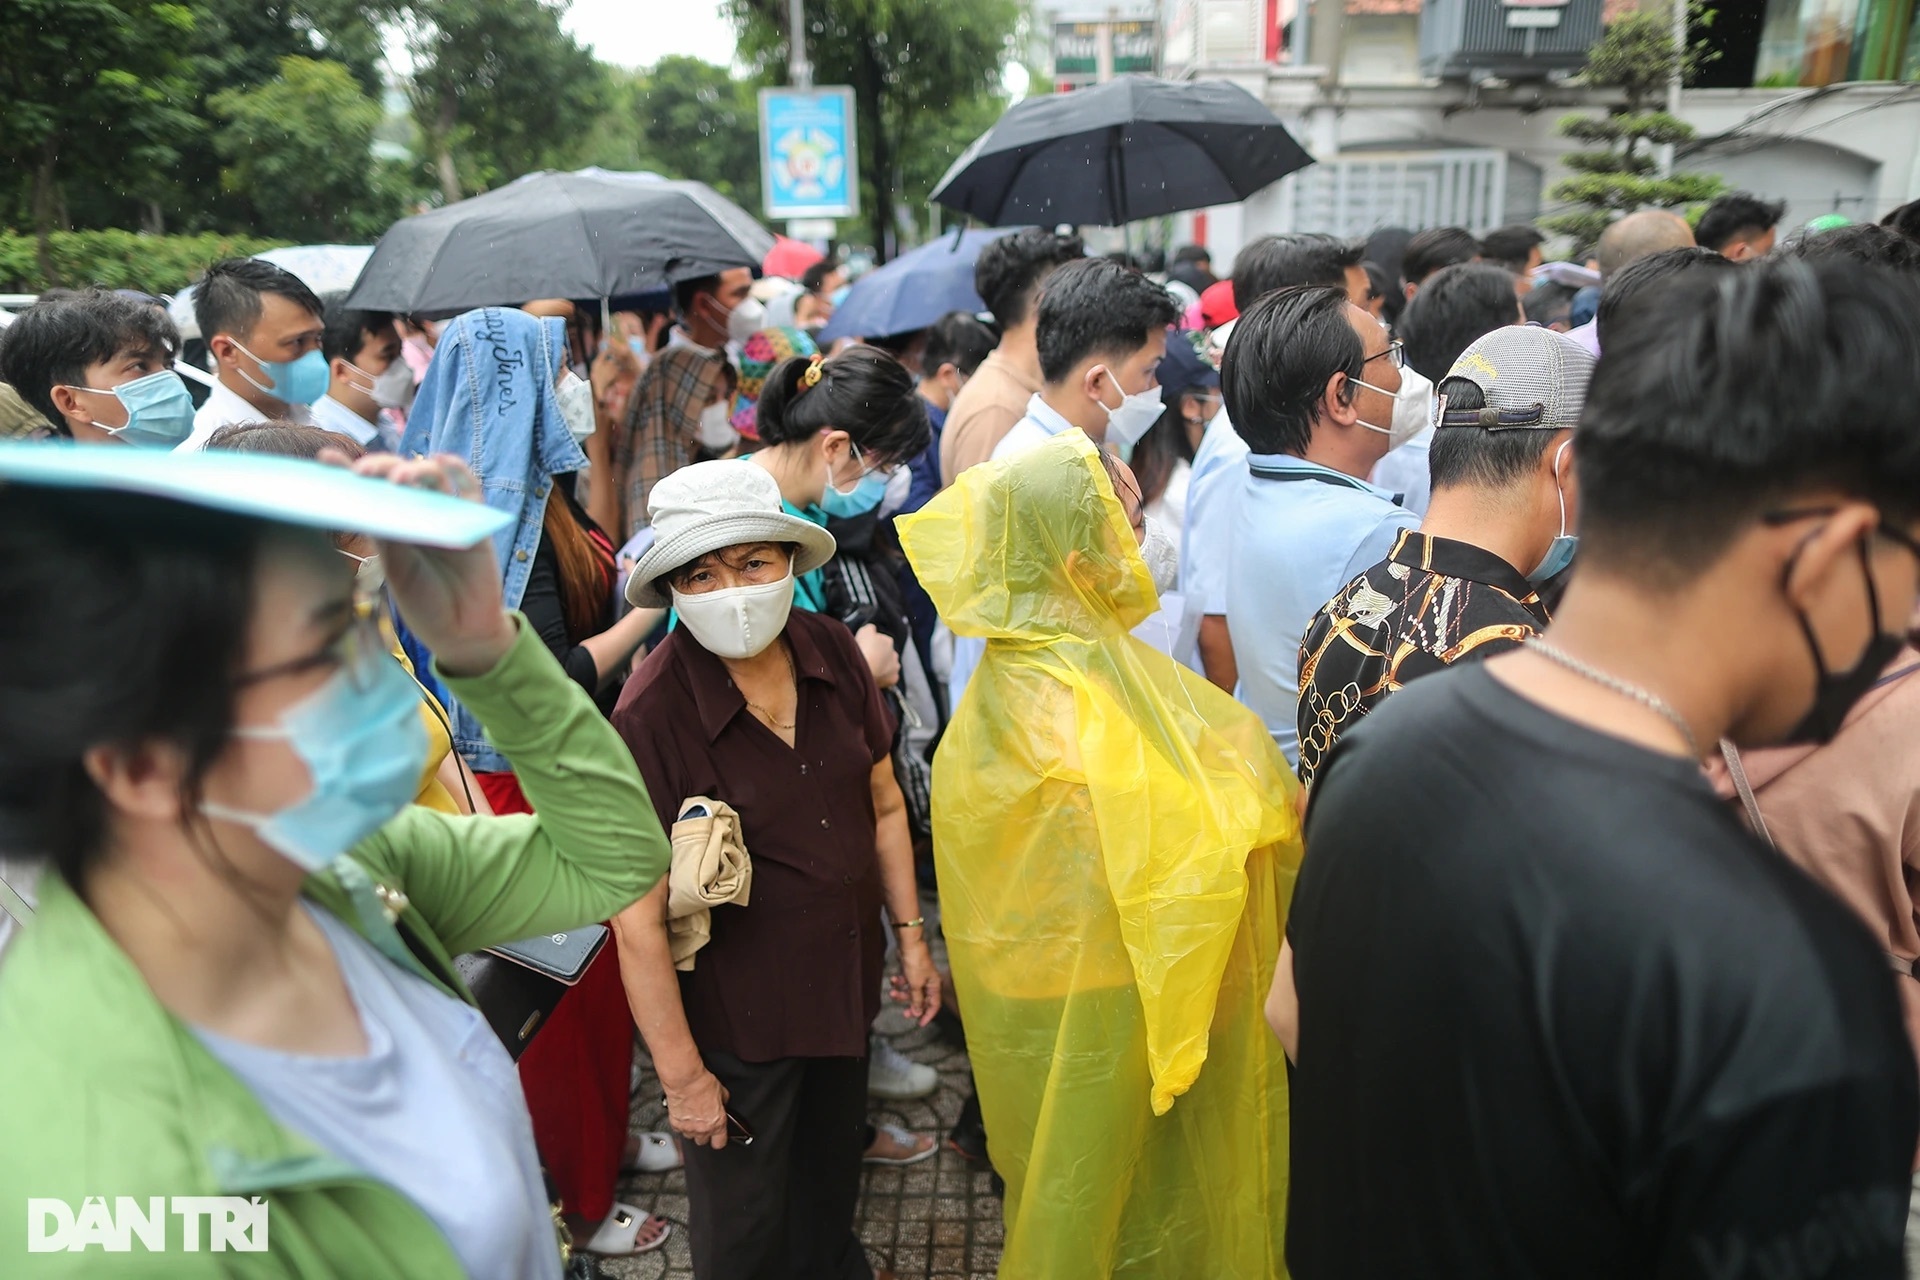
[[768, 715]]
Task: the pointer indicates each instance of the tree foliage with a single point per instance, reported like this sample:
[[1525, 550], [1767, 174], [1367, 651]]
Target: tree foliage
[[298, 148], [499, 89], [909, 63], [1618, 174], [697, 121]]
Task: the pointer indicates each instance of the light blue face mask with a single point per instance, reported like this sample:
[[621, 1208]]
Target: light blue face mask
[[300, 381], [857, 501], [362, 740], [1560, 550], [159, 410]]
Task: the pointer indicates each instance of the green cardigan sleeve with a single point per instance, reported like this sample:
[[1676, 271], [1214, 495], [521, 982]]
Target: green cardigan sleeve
[[592, 848]]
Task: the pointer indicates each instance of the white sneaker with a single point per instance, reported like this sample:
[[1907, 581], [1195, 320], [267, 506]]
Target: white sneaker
[[893, 1075]]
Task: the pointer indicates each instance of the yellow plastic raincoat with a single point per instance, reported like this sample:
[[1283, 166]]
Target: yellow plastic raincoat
[[1116, 841]]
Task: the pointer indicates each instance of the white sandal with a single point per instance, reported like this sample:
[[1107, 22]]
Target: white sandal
[[619, 1235], [658, 1153], [904, 1139]]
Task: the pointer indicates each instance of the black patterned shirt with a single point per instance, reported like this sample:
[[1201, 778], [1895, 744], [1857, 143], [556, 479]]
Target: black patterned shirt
[[1429, 604]]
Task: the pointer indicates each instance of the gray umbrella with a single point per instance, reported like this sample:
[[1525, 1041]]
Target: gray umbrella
[[581, 235], [1135, 147]]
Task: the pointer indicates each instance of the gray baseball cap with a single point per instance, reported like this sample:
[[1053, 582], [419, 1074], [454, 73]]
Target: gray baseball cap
[[1533, 379]]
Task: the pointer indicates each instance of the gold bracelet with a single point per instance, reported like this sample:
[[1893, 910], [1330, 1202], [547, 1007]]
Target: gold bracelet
[[918, 922]]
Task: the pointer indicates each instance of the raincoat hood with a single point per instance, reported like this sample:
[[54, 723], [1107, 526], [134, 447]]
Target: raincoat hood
[[488, 398], [1034, 548], [1098, 808]]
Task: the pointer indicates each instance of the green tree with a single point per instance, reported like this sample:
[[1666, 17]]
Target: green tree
[[299, 149], [499, 90], [697, 121], [911, 64], [1619, 173], [90, 91]]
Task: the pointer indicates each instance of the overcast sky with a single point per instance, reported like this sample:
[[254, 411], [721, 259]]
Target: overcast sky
[[638, 35]]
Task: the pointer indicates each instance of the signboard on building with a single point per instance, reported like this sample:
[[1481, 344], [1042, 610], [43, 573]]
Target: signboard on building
[[1133, 47], [1076, 50], [808, 153]]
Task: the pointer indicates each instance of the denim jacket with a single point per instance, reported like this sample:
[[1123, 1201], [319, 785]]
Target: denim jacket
[[488, 398]]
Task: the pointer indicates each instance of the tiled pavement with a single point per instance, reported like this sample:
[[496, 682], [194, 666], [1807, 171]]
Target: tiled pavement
[[936, 1220]]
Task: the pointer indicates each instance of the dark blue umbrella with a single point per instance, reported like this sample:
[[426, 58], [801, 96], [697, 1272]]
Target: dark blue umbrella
[[913, 290]]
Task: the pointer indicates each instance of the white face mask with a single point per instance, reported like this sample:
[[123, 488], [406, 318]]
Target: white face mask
[[1135, 415], [1162, 557], [716, 432], [575, 394], [737, 622], [1412, 408], [747, 319], [899, 488], [389, 387]]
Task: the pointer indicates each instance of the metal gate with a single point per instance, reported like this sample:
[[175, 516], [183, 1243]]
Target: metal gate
[[1357, 193]]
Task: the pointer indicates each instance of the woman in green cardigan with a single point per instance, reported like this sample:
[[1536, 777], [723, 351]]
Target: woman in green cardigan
[[237, 982]]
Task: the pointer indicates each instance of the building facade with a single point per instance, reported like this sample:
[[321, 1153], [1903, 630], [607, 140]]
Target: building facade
[[1447, 113]]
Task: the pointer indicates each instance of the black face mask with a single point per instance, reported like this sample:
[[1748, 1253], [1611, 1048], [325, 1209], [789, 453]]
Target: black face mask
[[1835, 693]]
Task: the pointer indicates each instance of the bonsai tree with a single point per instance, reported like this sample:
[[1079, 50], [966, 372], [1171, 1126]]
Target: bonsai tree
[[1619, 172]]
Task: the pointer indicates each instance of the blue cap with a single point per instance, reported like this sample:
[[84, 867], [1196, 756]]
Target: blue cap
[[1184, 368]]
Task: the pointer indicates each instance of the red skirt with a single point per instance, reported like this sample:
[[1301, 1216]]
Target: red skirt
[[575, 1073]]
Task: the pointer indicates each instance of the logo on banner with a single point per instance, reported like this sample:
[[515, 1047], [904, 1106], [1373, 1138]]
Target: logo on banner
[[215, 1224]]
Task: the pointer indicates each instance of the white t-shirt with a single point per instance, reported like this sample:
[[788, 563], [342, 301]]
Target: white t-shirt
[[224, 407], [433, 1109]]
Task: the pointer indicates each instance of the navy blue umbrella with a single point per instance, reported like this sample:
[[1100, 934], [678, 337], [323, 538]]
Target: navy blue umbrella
[[913, 290], [1135, 147]]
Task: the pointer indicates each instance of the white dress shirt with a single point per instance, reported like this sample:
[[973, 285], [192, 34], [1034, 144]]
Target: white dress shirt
[[224, 407]]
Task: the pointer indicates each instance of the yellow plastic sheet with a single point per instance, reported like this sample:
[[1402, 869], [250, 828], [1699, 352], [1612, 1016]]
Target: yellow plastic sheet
[[1116, 841]]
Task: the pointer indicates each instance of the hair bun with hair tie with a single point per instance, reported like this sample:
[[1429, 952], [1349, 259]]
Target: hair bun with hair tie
[[810, 377]]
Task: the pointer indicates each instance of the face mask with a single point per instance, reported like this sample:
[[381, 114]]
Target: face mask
[[575, 394], [899, 488], [1162, 557], [1134, 417], [1410, 411], [857, 501], [361, 739], [1560, 550], [299, 381], [159, 410], [737, 622], [1836, 692], [389, 387], [745, 320], [716, 431]]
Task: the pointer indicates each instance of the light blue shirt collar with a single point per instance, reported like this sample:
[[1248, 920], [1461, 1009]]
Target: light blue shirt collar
[[1046, 417], [1288, 462]]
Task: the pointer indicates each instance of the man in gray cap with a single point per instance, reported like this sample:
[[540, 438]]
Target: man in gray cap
[[1462, 585]]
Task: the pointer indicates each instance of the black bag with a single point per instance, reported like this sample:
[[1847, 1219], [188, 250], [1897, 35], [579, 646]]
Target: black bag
[[518, 984]]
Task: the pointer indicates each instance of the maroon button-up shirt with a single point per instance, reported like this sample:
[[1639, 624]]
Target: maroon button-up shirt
[[796, 973]]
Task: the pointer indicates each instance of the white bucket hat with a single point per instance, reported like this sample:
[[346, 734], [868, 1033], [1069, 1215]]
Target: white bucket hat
[[711, 505]]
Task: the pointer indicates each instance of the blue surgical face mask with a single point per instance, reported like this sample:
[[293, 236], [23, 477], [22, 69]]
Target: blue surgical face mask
[[1560, 550], [857, 501], [361, 738], [159, 410], [300, 381]]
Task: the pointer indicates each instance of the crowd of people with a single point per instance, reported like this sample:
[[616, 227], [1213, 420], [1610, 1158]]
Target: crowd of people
[[1402, 749]]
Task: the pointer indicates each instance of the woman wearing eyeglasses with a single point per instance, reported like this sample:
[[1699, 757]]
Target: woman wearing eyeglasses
[[772, 710], [237, 981]]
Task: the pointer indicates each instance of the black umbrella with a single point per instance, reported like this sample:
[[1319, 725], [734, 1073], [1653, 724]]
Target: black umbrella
[[1132, 148], [591, 234]]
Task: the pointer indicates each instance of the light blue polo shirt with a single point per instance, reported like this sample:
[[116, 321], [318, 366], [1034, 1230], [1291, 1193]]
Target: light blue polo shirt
[[1213, 488], [1301, 532]]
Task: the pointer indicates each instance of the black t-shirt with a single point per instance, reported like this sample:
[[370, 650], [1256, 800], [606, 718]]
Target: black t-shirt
[[1560, 1016]]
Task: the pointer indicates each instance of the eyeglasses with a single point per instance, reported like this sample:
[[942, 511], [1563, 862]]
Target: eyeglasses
[[1396, 353], [358, 650]]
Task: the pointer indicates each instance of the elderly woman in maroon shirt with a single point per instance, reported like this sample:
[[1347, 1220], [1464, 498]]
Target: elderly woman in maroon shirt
[[773, 711]]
